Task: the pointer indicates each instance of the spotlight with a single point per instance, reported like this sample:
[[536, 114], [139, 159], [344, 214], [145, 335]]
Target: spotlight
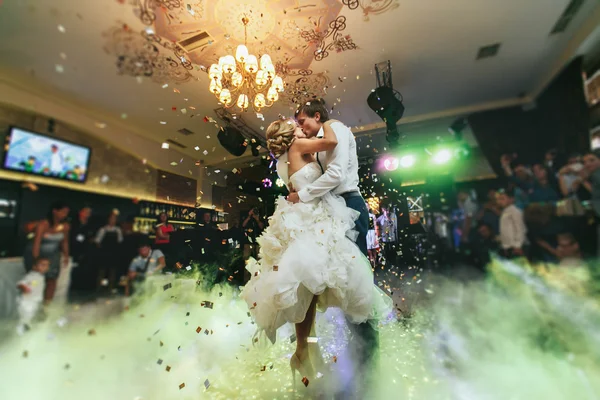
[[442, 156], [407, 161], [391, 163]]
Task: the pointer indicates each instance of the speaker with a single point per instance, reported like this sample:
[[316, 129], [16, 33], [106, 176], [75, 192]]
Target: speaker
[[385, 103], [232, 140]]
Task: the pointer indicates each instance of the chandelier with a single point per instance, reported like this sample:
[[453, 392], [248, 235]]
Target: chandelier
[[244, 77]]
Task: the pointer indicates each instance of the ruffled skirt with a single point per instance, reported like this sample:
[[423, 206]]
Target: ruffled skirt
[[308, 250]]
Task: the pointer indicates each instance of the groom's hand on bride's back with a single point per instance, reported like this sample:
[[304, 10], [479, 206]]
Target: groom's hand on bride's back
[[293, 197]]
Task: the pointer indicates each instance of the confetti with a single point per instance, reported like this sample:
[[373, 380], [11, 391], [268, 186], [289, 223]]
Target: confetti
[[305, 381], [165, 145], [61, 29], [167, 286], [168, 368], [91, 332], [159, 362], [206, 384], [198, 330], [181, 386]]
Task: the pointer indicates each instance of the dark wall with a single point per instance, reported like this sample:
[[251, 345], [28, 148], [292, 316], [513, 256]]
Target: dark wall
[[559, 120]]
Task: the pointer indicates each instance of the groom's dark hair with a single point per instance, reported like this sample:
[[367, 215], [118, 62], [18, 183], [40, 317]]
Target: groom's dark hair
[[310, 108]]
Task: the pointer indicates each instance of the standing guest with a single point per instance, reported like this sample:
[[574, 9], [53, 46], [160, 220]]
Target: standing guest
[[51, 241], [520, 178], [163, 232], [591, 161], [372, 238], [544, 190], [31, 288], [485, 242], [513, 232], [490, 212], [550, 162], [388, 229], [108, 240], [81, 241], [253, 227], [148, 261], [469, 211], [570, 177]]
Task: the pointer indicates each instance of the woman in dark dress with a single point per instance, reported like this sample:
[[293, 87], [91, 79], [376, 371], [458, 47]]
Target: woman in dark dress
[[108, 240]]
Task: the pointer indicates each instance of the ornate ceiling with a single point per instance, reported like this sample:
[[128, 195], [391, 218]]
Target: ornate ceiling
[[296, 34]]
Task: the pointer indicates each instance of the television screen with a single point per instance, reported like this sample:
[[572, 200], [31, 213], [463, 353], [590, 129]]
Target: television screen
[[37, 154]]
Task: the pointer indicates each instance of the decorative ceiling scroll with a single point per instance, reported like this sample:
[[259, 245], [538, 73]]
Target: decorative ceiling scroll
[[147, 55], [371, 6], [332, 38]]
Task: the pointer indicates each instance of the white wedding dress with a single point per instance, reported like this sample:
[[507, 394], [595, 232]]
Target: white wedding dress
[[307, 250]]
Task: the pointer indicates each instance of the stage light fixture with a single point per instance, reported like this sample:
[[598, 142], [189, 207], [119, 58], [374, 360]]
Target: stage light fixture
[[442, 156], [391, 163], [407, 161]]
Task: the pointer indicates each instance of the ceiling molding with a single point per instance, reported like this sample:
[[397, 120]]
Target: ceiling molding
[[570, 51], [454, 112]]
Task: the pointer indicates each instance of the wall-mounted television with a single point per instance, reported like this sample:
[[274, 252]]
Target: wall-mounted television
[[36, 154]]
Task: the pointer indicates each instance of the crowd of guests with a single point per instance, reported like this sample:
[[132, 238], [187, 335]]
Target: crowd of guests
[[546, 212]]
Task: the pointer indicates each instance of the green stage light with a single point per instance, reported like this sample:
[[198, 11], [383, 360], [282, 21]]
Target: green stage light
[[407, 161], [442, 156]]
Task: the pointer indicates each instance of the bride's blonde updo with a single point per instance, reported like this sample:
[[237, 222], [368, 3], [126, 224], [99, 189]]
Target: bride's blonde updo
[[280, 136]]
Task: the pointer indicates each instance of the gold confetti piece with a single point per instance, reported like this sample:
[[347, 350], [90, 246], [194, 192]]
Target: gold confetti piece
[[198, 330], [92, 332], [263, 368], [168, 368], [275, 268], [178, 265], [25, 354], [161, 344], [305, 381], [181, 386], [335, 359]]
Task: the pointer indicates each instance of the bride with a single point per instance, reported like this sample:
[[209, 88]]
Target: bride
[[308, 258]]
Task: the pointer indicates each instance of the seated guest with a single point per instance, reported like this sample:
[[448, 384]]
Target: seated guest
[[568, 250], [513, 232], [147, 262]]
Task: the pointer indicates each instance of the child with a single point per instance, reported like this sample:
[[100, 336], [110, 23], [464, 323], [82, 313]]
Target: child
[[32, 293], [513, 232]]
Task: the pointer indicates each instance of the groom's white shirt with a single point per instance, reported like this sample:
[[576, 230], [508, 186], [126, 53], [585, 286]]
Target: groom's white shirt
[[340, 165]]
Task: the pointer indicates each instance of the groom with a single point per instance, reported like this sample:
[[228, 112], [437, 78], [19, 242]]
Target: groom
[[340, 175]]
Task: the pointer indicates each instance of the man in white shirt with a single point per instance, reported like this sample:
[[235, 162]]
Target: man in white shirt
[[340, 167], [513, 232], [340, 175]]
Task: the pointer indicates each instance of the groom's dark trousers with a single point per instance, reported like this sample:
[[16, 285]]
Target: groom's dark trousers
[[366, 337]]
